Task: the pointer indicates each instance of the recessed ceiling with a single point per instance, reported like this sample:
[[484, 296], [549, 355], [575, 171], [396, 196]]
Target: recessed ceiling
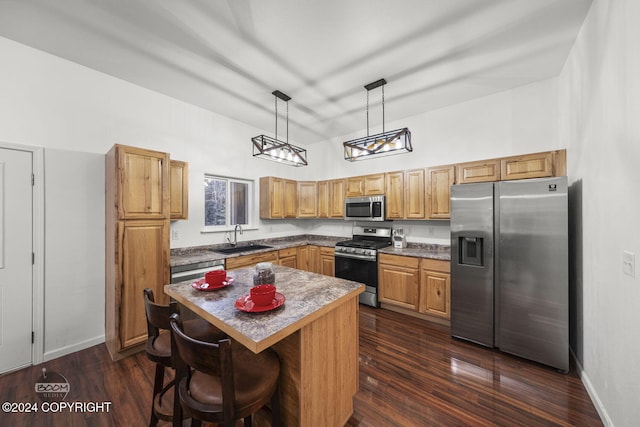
[[228, 56]]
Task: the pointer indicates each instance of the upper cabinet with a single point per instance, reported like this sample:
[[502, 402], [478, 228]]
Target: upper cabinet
[[414, 200], [142, 178], [481, 171], [410, 194], [307, 199], [536, 165], [179, 179], [331, 198], [394, 191], [439, 181], [368, 185], [278, 198]]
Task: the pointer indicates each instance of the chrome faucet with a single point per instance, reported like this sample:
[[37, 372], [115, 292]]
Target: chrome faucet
[[235, 235]]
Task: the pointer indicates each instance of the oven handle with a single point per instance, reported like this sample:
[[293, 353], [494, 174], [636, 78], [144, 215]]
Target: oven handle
[[355, 256]]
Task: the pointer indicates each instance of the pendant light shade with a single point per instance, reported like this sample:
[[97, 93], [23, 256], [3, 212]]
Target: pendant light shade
[[276, 150], [381, 144]]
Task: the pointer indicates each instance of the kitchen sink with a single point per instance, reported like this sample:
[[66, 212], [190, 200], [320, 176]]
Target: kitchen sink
[[236, 249]]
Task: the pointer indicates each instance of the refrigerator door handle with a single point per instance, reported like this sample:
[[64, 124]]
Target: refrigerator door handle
[[496, 264]]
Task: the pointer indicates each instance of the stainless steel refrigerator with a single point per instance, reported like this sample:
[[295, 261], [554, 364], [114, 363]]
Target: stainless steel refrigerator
[[509, 267]]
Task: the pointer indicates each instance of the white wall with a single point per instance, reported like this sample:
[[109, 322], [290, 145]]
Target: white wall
[[599, 110]]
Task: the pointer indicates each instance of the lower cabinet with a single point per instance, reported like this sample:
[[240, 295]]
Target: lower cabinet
[[251, 260], [414, 284], [313, 259], [327, 262], [288, 257], [435, 288], [398, 280]]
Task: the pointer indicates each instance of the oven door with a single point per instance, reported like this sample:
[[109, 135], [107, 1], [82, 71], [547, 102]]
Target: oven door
[[359, 270]]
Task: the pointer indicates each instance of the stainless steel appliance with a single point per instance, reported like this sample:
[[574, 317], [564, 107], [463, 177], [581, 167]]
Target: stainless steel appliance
[[181, 273], [509, 269], [357, 259], [368, 208]]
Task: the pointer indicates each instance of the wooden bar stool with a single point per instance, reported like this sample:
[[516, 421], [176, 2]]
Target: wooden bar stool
[[221, 385], [158, 350]]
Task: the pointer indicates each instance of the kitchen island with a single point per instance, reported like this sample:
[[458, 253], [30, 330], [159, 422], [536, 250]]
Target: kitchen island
[[315, 333]]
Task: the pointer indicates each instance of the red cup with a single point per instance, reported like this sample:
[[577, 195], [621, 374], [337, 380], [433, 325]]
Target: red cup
[[215, 277], [262, 295]]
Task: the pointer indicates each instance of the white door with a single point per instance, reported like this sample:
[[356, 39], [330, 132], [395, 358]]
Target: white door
[[16, 265]]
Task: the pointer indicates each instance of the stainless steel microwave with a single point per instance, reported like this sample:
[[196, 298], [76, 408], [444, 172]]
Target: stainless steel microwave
[[368, 208]]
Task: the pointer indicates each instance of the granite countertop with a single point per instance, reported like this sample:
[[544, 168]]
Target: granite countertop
[[421, 250], [193, 255], [308, 296]]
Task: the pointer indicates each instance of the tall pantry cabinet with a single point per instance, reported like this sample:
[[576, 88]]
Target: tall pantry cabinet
[[137, 242]]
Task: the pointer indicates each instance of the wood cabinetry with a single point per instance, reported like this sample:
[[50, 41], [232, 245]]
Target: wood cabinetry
[[536, 165], [288, 257], [307, 206], [250, 260], [313, 258], [323, 199], [336, 198], [136, 241], [439, 182], [418, 286], [303, 258], [398, 280], [327, 262], [394, 192], [278, 198], [179, 189], [414, 194], [435, 288], [481, 171], [367, 185]]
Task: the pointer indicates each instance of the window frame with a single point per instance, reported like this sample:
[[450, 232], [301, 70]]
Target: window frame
[[250, 204]]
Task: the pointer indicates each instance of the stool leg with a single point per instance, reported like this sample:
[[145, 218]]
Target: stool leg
[[276, 416], [158, 382]]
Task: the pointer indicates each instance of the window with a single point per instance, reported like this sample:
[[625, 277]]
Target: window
[[227, 202]]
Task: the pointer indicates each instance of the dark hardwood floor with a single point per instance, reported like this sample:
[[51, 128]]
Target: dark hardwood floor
[[412, 373]]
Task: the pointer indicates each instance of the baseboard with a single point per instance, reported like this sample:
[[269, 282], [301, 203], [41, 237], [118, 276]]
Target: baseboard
[[604, 416], [63, 351]]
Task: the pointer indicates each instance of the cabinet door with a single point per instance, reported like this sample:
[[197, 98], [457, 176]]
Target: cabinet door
[[374, 184], [394, 191], [143, 257], [314, 259], [354, 186], [179, 179], [435, 288], [414, 196], [290, 203], [303, 258], [143, 180], [327, 262], [307, 199], [288, 257], [323, 199], [482, 171], [398, 285], [336, 194], [439, 182], [537, 165]]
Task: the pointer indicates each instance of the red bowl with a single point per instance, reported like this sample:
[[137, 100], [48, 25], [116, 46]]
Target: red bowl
[[215, 277], [262, 295]]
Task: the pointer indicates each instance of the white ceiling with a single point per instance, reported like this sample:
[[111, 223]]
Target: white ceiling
[[228, 56]]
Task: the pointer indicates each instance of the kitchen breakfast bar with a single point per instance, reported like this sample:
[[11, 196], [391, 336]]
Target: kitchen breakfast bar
[[315, 333]]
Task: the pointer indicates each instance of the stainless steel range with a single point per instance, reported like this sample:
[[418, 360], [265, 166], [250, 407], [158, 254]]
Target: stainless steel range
[[357, 259]]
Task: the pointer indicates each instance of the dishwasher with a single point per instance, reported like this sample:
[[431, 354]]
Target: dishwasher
[[181, 273]]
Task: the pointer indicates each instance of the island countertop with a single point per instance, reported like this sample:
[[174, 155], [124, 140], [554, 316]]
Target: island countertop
[[308, 296]]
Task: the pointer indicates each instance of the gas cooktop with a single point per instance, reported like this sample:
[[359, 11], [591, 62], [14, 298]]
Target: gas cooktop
[[365, 244]]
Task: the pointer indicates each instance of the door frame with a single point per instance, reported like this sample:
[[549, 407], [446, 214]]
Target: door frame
[[37, 159]]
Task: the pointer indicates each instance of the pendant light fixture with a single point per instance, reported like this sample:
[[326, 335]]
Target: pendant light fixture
[[279, 151], [381, 144]]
